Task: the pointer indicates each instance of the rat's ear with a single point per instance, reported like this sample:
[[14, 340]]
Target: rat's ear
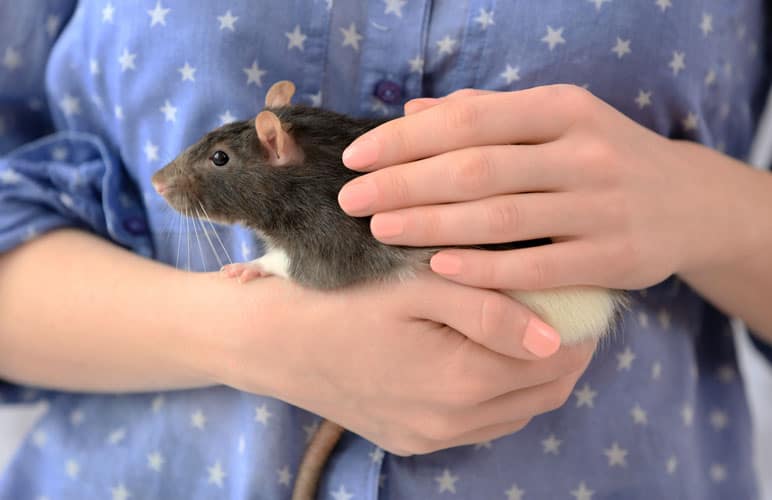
[[279, 144], [280, 94]]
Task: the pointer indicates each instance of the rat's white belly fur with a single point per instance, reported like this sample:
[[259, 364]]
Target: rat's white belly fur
[[577, 313]]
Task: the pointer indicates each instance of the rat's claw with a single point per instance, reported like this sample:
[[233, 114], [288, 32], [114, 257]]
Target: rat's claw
[[245, 271]]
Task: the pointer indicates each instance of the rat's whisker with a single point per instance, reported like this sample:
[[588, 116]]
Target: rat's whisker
[[198, 242], [187, 237], [216, 233], [211, 245], [179, 242]]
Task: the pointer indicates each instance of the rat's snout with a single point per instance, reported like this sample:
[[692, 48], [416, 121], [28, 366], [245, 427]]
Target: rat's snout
[[158, 182]]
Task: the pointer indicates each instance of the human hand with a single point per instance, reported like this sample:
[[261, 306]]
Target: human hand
[[380, 361], [620, 202]]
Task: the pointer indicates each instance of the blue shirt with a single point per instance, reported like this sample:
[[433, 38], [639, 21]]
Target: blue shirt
[[96, 95]]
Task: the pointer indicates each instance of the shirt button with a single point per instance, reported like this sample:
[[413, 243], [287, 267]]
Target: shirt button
[[388, 91], [135, 225]]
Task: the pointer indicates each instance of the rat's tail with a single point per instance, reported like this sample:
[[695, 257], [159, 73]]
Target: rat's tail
[[314, 459]]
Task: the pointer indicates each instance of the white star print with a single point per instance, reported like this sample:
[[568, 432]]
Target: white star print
[[514, 493], [639, 415], [724, 110], [246, 251], [285, 477], [585, 396], [226, 117], [511, 74], [553, 37], [621, 48], [107, 13], [664, 319], [329, 4], [625, 360], [127, 60], [416, 64], [690, 122], [72, 468], [598, 3], [151, 151], [446, 482], [677, 64], [656, 371], [227, 21], [255, 74], [341, 494], [70, 105], [296, 38], [707, 24], [485, 18], [242, 444], [310, 430], [93, 66], [643, 100], [116, 436], [155, 461], [9, 176], [687, 415], [52, 25], [120, 492], [582, 492], [551, 445], [11, 59], [485, 444], [710, 78], [671, 465], [157, 403], [119, 112], [169, 111], [350, 37], [262, 414], [394, 7], [726, 374], [158, 15], [376, 455], [719, 419], [664, 4], [717, 473], [316, 99], [66, 200], [377, 106], [197, 419], [216, 474], [187, 72], [446, 45], [39, 438], [76, 418], [31, 233], [616, 455], [643, 319]]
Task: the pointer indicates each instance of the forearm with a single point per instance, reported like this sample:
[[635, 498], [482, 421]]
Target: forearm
[[739, 280], [79, 313]]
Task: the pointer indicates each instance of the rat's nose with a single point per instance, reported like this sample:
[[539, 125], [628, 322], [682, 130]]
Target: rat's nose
[[159, 186]]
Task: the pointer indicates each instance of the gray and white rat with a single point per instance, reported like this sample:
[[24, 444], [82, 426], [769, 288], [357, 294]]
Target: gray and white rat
[[279, 174]]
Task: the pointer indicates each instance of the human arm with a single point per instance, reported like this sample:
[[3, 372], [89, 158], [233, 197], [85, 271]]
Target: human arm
[[628, 207]]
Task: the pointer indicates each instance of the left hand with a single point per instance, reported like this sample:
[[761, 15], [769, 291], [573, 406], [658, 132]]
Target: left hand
[[625, 207]]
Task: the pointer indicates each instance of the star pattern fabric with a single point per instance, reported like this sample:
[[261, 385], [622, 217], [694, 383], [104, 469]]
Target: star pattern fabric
[[96, 95]]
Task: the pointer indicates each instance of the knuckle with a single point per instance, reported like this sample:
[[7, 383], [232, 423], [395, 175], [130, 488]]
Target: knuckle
[[596, 155], [534, 272], [431, 224], [461, 93], [503, 217], [461, 115], [396, 187], [400, 139], [475, 171], [575, 98], [495, 322]]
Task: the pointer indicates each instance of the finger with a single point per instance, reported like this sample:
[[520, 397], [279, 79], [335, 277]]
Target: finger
[[491, 319], [528, 116], [500, 219], [572, 262], [421, 103], [459, 175]]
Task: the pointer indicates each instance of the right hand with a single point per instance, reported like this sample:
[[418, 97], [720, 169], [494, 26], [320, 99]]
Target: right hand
[[380, 361]]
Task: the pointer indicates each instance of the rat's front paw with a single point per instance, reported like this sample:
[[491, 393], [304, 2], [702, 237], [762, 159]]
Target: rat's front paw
[[245, 271]]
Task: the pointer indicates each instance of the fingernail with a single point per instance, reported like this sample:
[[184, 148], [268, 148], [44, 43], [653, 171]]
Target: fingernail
[[540, 339], [357, 196], [361, 153], [447, 264], [387, 225]]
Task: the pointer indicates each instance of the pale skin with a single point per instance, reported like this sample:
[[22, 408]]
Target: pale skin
[[627, 207]]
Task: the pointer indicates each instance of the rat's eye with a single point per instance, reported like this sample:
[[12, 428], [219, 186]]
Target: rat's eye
[[219, 158]]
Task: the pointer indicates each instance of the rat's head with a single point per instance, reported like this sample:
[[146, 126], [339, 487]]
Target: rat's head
[[209, 178]]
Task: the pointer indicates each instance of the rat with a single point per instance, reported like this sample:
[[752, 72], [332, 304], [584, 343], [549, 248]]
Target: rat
[[279, 174]]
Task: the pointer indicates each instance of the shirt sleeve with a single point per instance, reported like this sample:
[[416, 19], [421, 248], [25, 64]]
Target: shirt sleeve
[[52, 179]]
